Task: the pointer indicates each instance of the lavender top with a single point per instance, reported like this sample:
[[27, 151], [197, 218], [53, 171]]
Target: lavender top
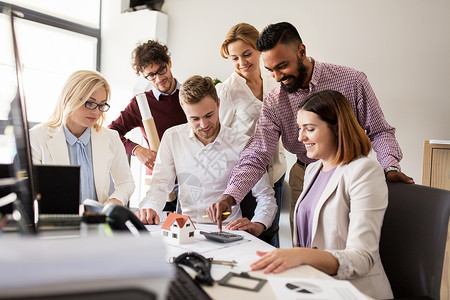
[[305, 211]]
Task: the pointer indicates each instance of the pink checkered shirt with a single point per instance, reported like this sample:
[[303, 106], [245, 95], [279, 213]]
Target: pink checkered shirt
[[279, 117]]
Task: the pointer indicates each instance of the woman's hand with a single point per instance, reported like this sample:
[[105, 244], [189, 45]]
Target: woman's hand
[[278, 260], [245, 224], [115, 201]]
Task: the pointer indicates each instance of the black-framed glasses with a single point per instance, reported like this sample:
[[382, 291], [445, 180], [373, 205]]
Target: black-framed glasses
[[92, 105], [161, 71]]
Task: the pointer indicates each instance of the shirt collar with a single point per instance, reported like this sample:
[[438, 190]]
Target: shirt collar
[[158, 93], [317, 70], [218, 137], [84, 138]]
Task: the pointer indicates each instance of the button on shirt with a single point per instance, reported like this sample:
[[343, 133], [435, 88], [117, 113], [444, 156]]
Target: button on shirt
[[87, 184], [202, 173], [279, 118]]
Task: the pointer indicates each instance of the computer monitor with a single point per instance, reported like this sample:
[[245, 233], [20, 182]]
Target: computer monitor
[[14, 139]]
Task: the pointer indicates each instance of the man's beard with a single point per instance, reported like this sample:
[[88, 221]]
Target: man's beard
[[207, 136], [298, 81]]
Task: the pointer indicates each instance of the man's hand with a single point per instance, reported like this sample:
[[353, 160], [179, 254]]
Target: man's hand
[[145, 156], [253, 228], [147, 216], [216, 209], [394, 176]]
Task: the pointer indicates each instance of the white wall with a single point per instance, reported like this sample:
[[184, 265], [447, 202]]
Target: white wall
[[403, 46], [121, 32]]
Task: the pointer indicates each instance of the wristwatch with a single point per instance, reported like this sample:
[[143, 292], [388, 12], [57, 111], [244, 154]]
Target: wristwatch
[[388, 169]]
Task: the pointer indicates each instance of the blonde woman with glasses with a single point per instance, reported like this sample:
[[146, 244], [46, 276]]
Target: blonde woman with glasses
[[73, 135]]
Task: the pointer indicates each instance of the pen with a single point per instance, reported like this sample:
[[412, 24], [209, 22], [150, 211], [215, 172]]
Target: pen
[[223, 214]]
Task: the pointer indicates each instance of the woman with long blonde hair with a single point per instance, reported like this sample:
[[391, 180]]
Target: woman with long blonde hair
[[73, 135]]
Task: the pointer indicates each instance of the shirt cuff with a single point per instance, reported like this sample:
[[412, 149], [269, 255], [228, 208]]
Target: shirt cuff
[[132, 150], [346, 268], [264, 219]]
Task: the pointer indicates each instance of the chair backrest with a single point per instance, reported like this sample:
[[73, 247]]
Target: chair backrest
[[413, 239]]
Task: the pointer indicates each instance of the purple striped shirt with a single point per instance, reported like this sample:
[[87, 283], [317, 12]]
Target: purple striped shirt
[[279, 118]]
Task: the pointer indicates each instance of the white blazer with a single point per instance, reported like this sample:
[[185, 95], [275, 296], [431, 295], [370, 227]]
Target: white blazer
[[347, 222], [48, 146]]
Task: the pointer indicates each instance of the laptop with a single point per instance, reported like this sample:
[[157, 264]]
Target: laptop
[[59, 189]]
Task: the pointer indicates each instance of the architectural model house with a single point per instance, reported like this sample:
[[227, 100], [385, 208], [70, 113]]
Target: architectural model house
[[178, 228]]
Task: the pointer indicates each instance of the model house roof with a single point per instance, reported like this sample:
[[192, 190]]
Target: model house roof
[[180, 219]]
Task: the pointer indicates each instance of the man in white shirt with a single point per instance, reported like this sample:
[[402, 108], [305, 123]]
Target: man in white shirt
[[201, 154]]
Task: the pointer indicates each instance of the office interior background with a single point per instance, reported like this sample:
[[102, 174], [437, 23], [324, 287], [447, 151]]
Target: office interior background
[[402, 46]]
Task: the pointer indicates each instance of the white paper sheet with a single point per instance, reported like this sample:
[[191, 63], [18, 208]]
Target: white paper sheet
[[313, 289]]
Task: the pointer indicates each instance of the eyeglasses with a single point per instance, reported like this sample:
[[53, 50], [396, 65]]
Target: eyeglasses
[[92, 105], [161, 71]]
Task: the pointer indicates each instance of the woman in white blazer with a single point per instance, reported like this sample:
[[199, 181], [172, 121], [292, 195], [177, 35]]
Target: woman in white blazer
[[74, 135], [242, 94], [338, 216]]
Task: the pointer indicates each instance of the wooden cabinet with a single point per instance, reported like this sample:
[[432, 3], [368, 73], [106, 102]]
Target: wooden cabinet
[[436, 164]]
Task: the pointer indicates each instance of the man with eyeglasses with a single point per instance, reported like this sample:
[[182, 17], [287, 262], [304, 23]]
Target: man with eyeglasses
[[151, 60]]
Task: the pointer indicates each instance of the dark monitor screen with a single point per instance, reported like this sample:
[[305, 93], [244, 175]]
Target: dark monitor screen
[[14, 139], [59, 189]]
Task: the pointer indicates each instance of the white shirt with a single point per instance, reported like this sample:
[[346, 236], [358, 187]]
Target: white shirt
[[240, 110], [202, 173]]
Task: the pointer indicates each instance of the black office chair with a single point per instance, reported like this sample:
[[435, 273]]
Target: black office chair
[[413, 240], [248, 205]]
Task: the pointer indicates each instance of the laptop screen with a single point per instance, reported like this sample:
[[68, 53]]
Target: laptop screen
[[59, 187]]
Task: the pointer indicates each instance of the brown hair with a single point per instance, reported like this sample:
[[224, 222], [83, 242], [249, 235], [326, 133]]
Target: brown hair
[[151, 52], [239, 32], [195, 88], [76, 91], [333, 108]]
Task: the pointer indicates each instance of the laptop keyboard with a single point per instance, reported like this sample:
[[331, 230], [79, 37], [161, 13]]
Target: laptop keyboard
[[59, 221], [183, 287]]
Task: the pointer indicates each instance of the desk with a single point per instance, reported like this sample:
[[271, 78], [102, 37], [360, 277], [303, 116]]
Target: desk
[[43, 266], [244, 252]]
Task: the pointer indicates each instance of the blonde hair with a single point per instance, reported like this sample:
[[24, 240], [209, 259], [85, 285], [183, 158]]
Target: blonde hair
[[76, 91], [239, 32], [195, 88]]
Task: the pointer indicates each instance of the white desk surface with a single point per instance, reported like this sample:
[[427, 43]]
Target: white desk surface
[[244, 252]]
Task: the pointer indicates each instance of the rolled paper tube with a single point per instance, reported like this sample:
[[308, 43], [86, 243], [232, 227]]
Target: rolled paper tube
[[148, 121], [152, 134], [141, 100]]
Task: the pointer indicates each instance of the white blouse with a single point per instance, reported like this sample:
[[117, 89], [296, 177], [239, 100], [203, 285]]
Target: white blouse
[[240, 110]]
